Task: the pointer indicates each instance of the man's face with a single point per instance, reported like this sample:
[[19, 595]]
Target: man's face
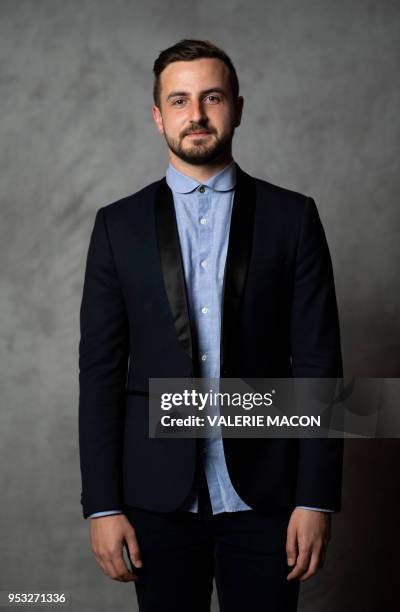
[[198, 114]]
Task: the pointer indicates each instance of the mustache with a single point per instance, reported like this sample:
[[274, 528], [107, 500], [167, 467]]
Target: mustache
[[198, 129]]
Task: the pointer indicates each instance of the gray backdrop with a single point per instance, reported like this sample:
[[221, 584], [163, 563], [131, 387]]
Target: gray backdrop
[[321, 88]]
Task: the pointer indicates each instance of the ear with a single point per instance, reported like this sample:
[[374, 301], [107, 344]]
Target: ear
[[239, 110], [157, 118]]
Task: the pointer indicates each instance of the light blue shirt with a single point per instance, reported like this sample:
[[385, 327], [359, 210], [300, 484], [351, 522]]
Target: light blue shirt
[[203, 213]]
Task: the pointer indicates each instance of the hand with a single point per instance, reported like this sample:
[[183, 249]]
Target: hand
[[108, 535], [308, 534]]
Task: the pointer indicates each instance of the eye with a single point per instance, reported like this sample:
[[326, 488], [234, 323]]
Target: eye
[[177, 102], [213, 99]]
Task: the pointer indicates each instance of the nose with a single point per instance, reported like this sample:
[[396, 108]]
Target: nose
[[198, 114]]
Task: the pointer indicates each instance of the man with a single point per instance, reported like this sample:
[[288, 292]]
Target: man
[[208, 272]]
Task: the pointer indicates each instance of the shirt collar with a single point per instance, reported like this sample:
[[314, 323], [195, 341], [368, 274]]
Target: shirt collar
[[224, 180]]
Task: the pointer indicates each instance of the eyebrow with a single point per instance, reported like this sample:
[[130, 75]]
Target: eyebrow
[[173, 94]]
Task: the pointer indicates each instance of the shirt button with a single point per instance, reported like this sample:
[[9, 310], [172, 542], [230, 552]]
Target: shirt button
[[204, 263], [204, 310], [203, 357], [203, 221], [202, 189]]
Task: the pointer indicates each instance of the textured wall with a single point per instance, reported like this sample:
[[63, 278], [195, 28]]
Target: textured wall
[[321, 116]]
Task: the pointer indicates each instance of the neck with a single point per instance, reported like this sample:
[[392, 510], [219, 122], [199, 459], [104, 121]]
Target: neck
[[203, 172]]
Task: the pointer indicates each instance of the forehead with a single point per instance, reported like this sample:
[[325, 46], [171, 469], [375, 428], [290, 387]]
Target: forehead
[[194, 75]]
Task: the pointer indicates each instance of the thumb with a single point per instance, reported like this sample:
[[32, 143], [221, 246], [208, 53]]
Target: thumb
[[291, 547], [133, 548]]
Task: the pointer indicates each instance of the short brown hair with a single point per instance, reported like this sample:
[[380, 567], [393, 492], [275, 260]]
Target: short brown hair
[[186, 50]]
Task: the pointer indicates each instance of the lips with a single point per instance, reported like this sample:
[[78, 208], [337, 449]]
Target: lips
[[198, 133]]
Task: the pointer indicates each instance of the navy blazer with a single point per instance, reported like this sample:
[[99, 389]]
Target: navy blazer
[[279, 319]]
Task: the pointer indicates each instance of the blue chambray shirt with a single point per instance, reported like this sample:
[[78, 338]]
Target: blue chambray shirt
[[203, 214]]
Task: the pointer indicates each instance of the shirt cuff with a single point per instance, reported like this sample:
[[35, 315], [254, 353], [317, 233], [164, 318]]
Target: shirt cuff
[[104, 513], [317, 509]]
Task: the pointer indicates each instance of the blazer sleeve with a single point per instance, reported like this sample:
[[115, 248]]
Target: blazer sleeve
[[316, 352], [103, 363]]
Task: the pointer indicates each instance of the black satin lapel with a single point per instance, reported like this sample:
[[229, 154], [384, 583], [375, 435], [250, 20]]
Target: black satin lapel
[[172, 265], [237, 262]]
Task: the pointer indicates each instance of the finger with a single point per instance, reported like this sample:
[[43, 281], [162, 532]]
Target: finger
[[313, 567], [105, 564], [291, 546], [133, 549], [111, 568], [120, 569], [101, 563], [302, 564]]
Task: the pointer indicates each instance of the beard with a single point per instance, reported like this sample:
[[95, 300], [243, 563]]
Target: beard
[[202, 150]]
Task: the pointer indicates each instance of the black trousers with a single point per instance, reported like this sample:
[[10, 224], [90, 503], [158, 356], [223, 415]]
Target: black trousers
[[183, 551]]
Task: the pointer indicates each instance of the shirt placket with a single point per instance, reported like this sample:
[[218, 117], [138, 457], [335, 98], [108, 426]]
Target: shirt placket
[[205, 275]]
